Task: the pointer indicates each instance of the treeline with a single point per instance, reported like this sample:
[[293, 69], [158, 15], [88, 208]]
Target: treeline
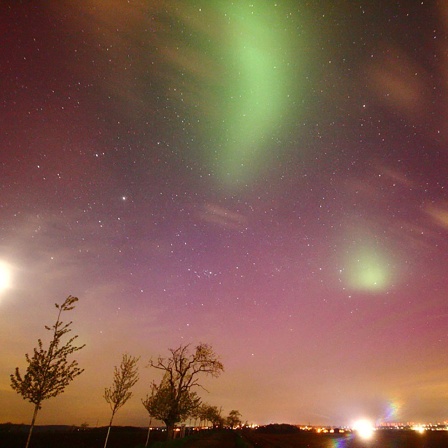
[[49, 371]]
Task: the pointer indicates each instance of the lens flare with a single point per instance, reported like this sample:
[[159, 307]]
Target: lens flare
[[339, 443], [392, 411]]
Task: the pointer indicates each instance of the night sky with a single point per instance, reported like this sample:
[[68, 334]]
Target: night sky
[[268, 177]]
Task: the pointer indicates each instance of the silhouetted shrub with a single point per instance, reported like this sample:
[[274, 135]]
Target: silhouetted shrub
[[276, 428]]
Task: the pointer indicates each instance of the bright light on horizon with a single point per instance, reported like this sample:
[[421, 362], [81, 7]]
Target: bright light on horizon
[[364, 428]]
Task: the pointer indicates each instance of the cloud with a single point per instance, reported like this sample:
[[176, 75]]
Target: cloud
[[223, 217]]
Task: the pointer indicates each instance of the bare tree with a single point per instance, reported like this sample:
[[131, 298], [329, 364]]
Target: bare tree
[[174, 399], [48, 372], [119, 393]]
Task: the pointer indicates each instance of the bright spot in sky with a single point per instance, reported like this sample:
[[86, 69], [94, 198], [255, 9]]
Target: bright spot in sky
[[367, 269], [5, 276], [364, 428]]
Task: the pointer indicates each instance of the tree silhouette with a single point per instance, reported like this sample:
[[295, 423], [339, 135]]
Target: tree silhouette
[[211, 414], [234, 419], [173, 399], [48, 372], [163, 403], [119, 393]]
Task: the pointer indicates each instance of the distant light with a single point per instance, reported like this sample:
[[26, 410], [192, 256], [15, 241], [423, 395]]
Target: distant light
[[5, 276], [419, 428], [364, 429]]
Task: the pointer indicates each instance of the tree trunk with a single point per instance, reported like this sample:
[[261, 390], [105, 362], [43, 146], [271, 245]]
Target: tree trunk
[[36, 409], [170, 431], [149, 431], [108, 430]]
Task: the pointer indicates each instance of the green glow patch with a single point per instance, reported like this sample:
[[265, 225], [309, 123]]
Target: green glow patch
[[258, 87], [368, 270]]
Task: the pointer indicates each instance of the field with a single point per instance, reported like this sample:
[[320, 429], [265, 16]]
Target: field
[[135, 438], [66, 437], [381, 439]]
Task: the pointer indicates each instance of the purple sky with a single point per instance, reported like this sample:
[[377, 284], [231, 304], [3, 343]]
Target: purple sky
[[268, 179]]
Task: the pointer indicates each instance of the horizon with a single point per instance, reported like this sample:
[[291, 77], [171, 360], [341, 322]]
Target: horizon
[[305, 427]]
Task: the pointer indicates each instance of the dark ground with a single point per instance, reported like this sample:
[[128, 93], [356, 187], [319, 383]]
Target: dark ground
[[381, 439], [135, 438], [120, 437]]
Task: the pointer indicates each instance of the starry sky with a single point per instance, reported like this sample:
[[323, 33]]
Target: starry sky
[[268, 177]]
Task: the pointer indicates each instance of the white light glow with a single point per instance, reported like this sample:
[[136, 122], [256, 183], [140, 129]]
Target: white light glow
[[5, 276], [364, 429]]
